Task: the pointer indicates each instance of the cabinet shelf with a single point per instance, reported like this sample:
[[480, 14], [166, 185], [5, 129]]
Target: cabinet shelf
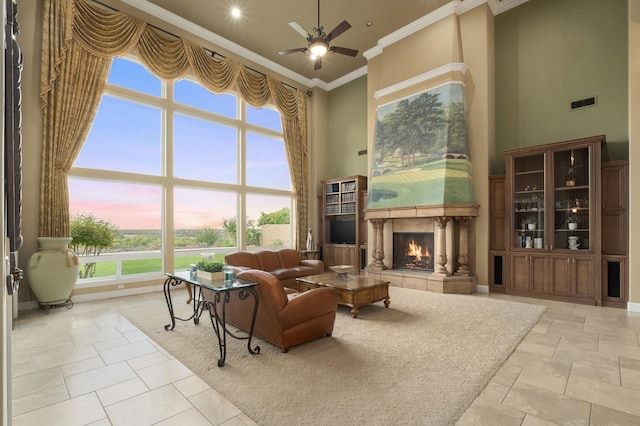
[[553, 260], [344, 230]]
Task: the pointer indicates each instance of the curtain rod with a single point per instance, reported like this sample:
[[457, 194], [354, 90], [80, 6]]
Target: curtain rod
[[213, 52]]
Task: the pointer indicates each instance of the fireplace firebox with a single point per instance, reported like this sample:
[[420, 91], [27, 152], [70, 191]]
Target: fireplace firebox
[[413, 250]]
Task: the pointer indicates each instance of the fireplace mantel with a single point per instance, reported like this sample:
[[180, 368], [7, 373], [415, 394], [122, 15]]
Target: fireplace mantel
[[452, 272], [438, 210]]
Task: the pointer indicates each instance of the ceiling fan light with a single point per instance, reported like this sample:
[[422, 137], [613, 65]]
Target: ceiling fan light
[[318, 49]]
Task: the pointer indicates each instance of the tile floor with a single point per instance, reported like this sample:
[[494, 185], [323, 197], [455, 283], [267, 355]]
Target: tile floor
[[88, 365]]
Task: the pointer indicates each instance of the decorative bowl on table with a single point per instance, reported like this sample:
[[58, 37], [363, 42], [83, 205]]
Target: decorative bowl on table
[[342, 271]]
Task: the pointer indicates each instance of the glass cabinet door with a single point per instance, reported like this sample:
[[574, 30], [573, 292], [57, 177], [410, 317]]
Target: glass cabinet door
[[572, 220], [529, 198]]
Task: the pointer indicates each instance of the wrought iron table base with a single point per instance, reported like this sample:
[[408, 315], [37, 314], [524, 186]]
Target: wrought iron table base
[[218, 322]]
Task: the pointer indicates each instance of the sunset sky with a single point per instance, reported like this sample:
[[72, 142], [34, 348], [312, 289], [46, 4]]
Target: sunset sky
[[127, 137]]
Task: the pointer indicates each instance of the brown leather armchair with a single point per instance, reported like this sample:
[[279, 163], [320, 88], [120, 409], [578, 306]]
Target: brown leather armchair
[[284, 320]]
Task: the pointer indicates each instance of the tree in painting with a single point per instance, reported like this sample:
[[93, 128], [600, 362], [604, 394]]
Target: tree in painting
[[421, 150]]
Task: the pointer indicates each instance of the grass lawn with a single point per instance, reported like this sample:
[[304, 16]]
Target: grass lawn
[[141, 266]]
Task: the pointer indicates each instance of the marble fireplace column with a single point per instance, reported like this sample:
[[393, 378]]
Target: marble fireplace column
[[441, 245], [463, 246], [378, 243]]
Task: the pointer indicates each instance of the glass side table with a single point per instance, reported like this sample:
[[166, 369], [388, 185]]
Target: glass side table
[[222, 292]]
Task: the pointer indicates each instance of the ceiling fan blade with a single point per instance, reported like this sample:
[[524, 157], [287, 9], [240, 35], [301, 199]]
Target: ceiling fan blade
[[297, 49], [343, 50], [317, 63], [342, 27], [299, 29]]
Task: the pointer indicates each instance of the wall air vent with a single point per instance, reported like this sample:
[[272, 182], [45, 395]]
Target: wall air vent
[[583, 103]]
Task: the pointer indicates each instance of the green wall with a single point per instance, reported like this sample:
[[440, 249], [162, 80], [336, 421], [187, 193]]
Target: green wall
[[552, 52], [348, 129]]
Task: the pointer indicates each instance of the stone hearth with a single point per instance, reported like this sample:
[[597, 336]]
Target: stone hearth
[[450, 225]]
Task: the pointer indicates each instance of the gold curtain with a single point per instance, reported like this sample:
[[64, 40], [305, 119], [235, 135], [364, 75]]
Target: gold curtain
[[79, 43]]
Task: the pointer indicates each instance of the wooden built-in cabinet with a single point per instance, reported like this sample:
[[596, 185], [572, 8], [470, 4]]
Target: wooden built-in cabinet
[[344, 229], [545, 188], [615, 233]]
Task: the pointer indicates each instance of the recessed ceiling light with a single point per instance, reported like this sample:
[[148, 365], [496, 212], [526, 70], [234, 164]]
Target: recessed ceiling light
[[235, 12], [369, 23]]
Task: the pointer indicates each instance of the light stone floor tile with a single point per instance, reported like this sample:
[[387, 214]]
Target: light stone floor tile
[[485, 412], [39, 399], [65, 356], [99, 378], [530, 420], [25, 368], [607, 395], [630, 378], [135, 336], [603, 416], [588, 350], [630, 363], [615, 348], [121, 391], [548, 405], [607, 371], [147, 360], [191, 417], [99, 336], [495, 392], [552, 383], [216, 408], [148, 408], [191, 386], [82, 366], [125, 352], [39, 380], [72, 412], [164, 373], [111, 343]]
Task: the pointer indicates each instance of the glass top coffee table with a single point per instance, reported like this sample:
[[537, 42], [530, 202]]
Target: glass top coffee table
[[353, 290]]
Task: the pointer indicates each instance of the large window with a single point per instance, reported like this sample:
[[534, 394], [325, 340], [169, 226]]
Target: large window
[[175, 173]]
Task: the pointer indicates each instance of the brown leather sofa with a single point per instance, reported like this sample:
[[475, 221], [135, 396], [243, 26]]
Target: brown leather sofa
[[283, 263], [284, 320]]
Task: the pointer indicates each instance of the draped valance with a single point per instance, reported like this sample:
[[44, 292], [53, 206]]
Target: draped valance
[[79, 43]]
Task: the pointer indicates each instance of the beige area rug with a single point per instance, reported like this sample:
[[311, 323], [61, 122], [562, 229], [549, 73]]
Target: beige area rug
[[421, 362]]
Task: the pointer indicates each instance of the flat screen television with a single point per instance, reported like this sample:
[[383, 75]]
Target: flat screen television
[[343, 231]]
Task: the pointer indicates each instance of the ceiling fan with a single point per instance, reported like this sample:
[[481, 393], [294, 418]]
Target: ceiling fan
[[319, 41]]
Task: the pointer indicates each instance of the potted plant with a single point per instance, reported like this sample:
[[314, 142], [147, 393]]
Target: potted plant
[[531, 222], [572, 221], [210, 269]]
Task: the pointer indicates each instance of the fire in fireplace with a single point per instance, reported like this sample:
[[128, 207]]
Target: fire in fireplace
[[413, 250]]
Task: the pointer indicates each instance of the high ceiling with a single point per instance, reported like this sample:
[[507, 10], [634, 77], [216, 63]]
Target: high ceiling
[[263, 28]]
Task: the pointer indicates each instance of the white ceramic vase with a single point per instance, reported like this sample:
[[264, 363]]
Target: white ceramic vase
[[573, 226], [53, 270]]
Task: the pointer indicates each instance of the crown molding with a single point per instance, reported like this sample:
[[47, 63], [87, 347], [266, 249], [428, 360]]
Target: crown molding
[[456, 6], [218, 40], [501, 6], [347, 78], [436, 72]]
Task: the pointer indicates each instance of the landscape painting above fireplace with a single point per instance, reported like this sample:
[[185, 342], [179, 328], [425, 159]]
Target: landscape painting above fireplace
[[421, 153]]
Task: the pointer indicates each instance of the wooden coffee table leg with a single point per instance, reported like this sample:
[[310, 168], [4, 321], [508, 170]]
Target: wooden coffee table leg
[[386, 302], [355, 312]]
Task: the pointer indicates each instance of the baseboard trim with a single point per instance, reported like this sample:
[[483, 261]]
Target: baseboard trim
[[33, 304], [482, 288], [633, 307]]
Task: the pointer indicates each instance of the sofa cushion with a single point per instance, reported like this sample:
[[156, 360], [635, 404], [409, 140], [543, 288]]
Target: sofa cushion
[[289, 258], [245, 259], [268, 260], [295, 272]]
